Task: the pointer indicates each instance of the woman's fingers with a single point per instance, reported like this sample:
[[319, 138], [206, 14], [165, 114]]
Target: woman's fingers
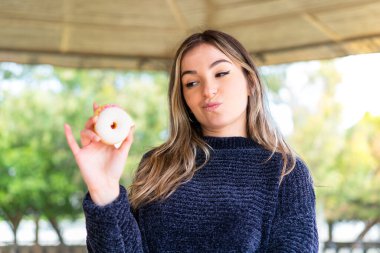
[[95, 106], [71, 140], [91, 122], [126, 145], [87, 136]]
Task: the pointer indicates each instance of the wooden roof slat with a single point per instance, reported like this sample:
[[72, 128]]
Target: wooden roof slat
[[23, 35], [99, 12], [296, 32], [353, 21], [82, 33], [180, 19], [264, 11]]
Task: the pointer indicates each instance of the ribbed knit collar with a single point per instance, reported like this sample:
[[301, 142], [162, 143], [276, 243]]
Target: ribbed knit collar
[[229, 142]]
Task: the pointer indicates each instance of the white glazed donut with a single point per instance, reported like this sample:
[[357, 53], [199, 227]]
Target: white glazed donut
[[113, 124]]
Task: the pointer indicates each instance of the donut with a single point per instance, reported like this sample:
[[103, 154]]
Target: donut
[[113, 124]]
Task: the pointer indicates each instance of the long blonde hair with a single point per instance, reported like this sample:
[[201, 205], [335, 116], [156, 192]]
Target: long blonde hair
[[164, 168]]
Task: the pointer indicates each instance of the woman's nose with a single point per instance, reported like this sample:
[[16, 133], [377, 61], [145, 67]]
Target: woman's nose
[[210, 90]]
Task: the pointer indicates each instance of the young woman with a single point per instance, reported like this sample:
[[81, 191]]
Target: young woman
[[224, 181]]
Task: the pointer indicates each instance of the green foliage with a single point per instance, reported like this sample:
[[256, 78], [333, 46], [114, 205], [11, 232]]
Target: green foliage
[[143, 95], [317, 137], [357, 173], [273, 79], [345, 164], [38, 174]]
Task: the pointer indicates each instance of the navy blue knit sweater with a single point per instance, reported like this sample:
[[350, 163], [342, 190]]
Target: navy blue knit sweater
[[233, 204]]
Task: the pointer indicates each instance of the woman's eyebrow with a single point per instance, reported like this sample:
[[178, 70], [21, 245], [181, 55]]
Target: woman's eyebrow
[[188, 72], [211, 65], [218, 61]]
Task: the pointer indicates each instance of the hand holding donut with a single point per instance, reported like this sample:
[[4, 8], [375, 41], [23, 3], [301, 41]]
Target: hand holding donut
[[101, 164]]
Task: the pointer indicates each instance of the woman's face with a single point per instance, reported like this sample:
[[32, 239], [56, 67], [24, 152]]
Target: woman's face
[[215, 90]]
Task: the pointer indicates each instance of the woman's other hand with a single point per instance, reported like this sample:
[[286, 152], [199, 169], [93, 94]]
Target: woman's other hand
[[101, 165]]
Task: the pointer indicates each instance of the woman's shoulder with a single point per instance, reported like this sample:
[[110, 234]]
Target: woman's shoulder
[[147, 154], [300, 174]]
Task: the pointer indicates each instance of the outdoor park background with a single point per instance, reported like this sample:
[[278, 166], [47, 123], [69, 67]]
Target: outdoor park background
[[328, 110]]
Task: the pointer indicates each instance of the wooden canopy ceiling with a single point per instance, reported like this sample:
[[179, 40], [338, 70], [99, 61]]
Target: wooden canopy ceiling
[[144, 34]]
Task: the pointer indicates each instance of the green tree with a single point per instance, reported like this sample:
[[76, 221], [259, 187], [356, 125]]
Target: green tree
[[345, 164], [316, 117], [357, 175], [39, 177], [142, 95], [36, 180]]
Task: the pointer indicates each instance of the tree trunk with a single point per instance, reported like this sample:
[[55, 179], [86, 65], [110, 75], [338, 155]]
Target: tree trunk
[[56, 228], [36, 231], [367, 228], [14, 221], [330, 228]]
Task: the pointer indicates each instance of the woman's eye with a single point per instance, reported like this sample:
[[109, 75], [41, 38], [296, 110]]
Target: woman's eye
[[190, 84], [220, 74]]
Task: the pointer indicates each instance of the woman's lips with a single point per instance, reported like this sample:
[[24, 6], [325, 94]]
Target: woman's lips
[[211, 106]]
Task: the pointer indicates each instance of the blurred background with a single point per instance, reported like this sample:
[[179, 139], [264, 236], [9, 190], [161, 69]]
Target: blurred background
[[318, 59]]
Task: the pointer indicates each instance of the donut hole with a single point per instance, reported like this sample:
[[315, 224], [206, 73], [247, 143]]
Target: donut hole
[[114, 125]]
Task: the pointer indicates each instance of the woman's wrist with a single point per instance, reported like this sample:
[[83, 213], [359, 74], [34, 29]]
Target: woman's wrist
[[105, 196]]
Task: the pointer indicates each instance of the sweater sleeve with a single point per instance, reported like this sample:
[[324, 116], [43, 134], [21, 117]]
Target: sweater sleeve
[[294, 226], [113, 227]]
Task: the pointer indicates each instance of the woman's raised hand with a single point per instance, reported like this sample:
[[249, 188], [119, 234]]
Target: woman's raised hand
[[101, 165]]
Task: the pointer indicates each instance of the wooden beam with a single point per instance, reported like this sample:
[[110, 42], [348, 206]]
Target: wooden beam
[[85, 60], [210, 12], [64, 45], [315, 22], [316, 51], [178, 16]]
